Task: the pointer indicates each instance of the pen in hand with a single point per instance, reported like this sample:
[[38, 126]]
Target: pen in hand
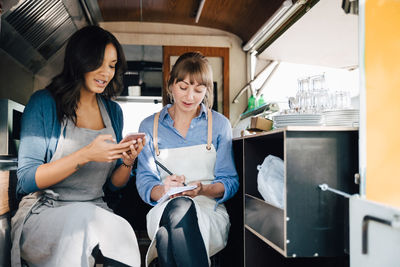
[[165, 169]]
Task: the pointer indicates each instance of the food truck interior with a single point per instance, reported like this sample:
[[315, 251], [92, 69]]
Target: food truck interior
[[321, 72]]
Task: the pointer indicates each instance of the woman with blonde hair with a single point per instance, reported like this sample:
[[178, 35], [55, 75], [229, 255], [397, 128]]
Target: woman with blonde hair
[[195, 144]]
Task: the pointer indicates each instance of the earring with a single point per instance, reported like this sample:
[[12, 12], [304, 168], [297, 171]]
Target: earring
[[171, 98]]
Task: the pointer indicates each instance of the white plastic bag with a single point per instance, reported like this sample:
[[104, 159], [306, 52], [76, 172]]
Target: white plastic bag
[[270, 180]]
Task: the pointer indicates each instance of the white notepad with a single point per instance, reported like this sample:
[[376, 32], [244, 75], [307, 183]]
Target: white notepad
[[176, 190]]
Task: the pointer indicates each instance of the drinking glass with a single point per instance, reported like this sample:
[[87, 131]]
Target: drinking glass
[[318, 92], [341, 100], [303, 94]]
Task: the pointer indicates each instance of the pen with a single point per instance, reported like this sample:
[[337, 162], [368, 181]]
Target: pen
[[165, 168]]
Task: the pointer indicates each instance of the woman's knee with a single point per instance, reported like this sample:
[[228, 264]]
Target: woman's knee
[[162, 235], [178, 210]]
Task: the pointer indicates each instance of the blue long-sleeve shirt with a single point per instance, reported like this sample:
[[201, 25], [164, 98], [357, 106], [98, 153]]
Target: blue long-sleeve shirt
[[40, 130], [148, 176]]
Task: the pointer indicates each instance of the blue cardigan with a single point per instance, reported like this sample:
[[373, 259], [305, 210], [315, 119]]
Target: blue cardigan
[[40, 130]]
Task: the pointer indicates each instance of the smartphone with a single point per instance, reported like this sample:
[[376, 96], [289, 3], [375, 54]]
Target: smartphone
[[132, 136]]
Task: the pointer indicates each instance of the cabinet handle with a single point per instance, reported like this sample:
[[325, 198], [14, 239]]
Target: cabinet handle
[[395, 223], [325, 187]]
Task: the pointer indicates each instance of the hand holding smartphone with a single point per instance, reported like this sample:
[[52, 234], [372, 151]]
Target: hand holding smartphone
[[132, 136]]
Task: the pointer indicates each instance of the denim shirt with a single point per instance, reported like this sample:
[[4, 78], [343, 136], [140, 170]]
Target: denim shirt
[[148, 176]]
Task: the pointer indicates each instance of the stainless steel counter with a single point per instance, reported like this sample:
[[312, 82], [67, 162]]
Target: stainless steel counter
[[8, 163]]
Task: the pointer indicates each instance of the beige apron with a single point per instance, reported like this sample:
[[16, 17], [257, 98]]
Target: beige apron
[[197, 164]]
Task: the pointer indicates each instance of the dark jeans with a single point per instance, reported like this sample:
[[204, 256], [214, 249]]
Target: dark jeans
[[179, 241], [107, 261]]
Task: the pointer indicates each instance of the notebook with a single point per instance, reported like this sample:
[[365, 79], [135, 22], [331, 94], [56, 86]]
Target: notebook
[[176, 190]]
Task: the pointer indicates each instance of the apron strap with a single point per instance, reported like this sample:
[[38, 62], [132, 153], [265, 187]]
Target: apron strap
[[209, 130], [155, 130], [62, 132]]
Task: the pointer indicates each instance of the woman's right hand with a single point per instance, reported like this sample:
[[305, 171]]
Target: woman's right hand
[[104, 149], [170, 181], [173, 181]]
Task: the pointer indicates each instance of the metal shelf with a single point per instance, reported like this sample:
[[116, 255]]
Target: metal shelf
[[311, 224]]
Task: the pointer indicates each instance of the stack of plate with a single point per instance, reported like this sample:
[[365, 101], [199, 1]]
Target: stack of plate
[[297, 120], [342, 117]]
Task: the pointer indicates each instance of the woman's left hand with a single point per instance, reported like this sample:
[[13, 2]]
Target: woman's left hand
[[130, 156], [194, 192]]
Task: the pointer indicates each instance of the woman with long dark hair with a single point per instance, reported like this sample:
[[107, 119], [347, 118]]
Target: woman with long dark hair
[[70, 149]]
